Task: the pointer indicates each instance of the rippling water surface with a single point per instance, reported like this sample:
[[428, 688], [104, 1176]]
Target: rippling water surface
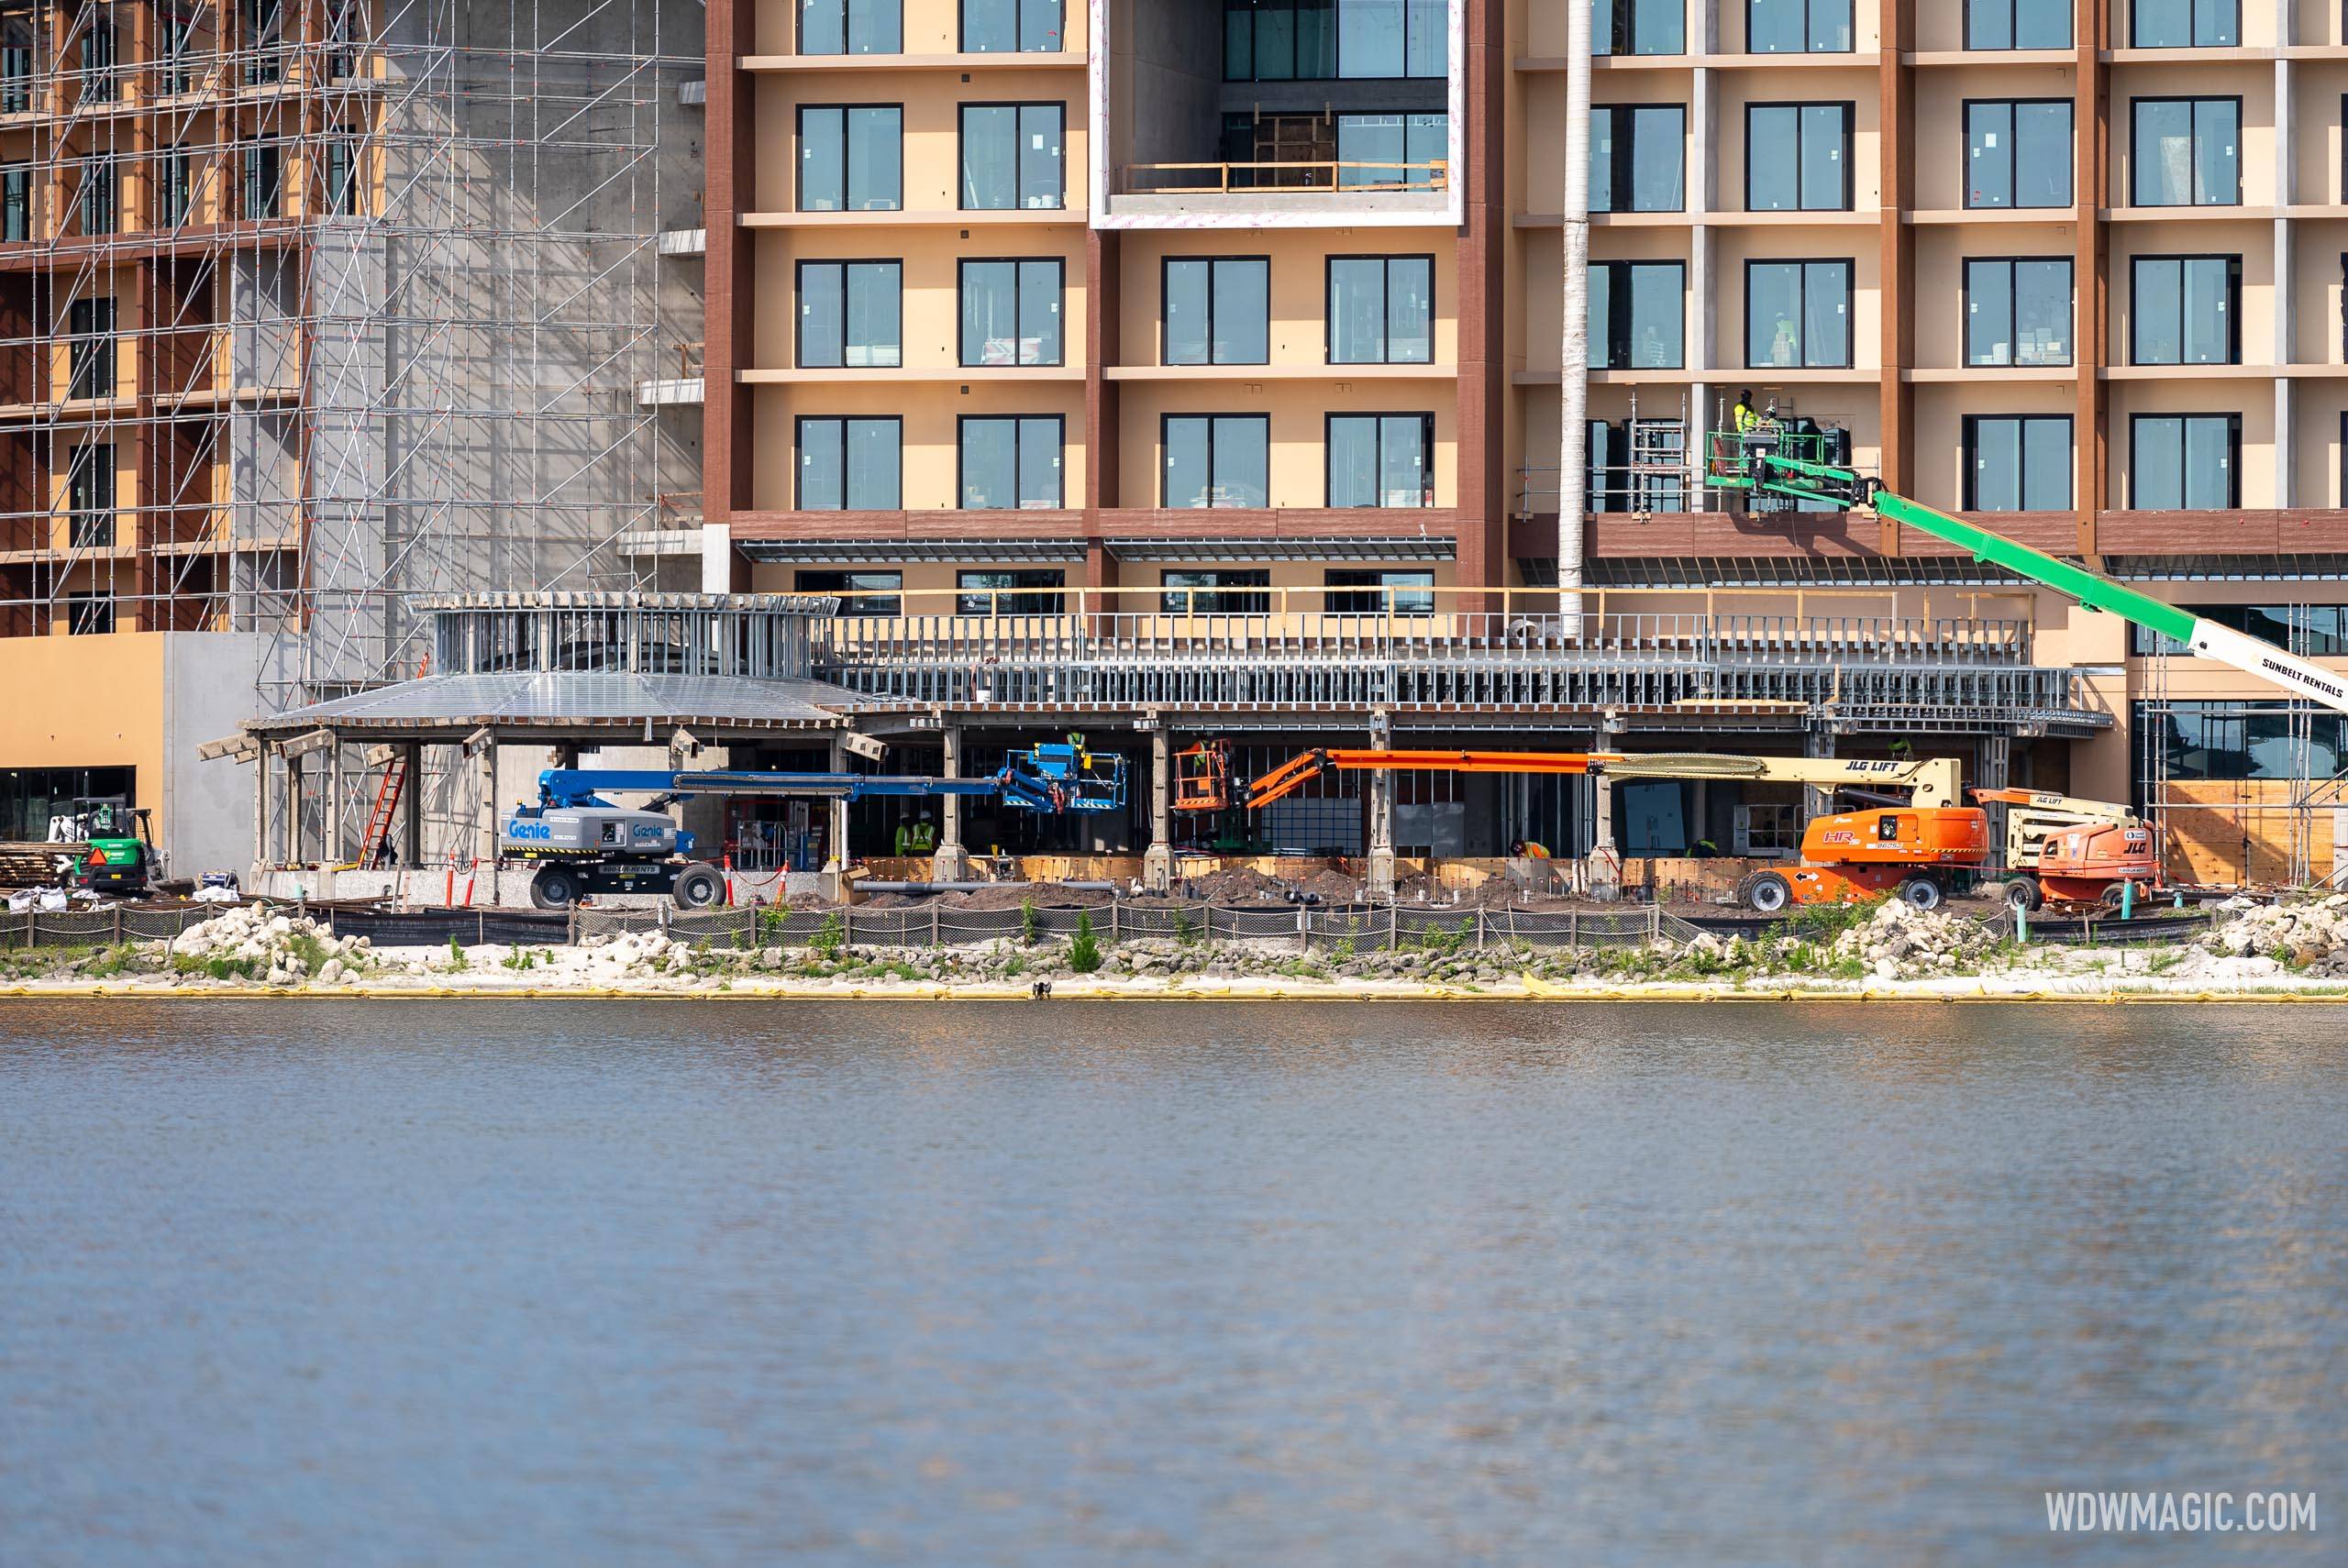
[[535, 1282]]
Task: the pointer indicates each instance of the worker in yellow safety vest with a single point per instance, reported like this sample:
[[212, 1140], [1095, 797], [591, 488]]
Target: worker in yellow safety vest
[[917, 837], [1747, 417]]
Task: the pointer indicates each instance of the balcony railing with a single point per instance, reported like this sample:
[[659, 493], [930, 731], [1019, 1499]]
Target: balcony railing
[[1324, 174]]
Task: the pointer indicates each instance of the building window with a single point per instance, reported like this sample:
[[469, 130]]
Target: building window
[[17, 200], [2184, 24], [1796, 157], [264, 179], [174, 46], [1638, 156], [345, 20], [1010, 155], [1370, 590], [2018, 462], [1220, 590], [1009, 460], [2311, 631], [2018, 311], [2188, 152], [100, 210], [1011, 27], [859, 592], [849, 465], [1031, 591], [851, 27], [2017, 24], [1319, 40], [1011, 312], [852, 158], [1381, 310], [341, 174], [2238, 740], [1638, 26], [2184, 462], [1796, 27], [848, 314], [173, 197], [1381, 151], [16, 64], [90, 614], [90, 495], [2018, 154], [99, 82], [2185, 310], [1218, 310], [1798, 314], [1381, 459], [90, 360], [30, 796], [264, 36], [1215, 460], [1636, 312]]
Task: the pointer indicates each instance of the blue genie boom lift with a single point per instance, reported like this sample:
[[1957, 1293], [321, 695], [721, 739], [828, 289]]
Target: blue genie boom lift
[[585, 843]]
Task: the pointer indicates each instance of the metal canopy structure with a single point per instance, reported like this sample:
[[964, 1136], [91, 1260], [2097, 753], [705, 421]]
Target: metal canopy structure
[[616, 707]]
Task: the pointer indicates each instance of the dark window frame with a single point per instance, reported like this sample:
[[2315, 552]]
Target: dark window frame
[[1164, 268], [962, 30], [1619, 300], [961, 153], [91, 361], [17, 200], [847, 38], [2193, 18], [2136, 150], [1624, 38], [1059, 469], [1850, 309], [1850, 135], [1055, 590], [2233, 306], [2014, 10], [92, 496], [799, 316], [1412, 11], [847, 167], [1252, 593], [1338, 597], [1970, 450], [1808, 27], [883, 603], [2070, 168], [2234, 457], [1623, 164], [1386, 289], [1426, 450], [799, 423], [1167, 503], [1964, 310], [1018, 306]]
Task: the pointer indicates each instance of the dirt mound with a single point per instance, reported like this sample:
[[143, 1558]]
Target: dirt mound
[[1330, 885], [1236, 885], [1043, 895]]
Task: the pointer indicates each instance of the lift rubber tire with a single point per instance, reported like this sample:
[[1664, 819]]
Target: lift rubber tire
[[697, 887], [1769, 892], [2023, 893], [554, 888], [1922, 893]]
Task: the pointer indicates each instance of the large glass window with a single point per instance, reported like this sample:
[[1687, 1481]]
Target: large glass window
[[2185, 310], [1011, 27], [1638, 154], [1796, 313], [342, 189], [848, 314], [1796, 157], [99, 82], [851, 27], [101, 207], [2184, 462], [1022, 590], [851, 465], [1381, 310], [859, 592], [2017, 24], [2184, 24], [1010, 312], [30, 796], [852, 158], [90, 494], [16, 68], [1216, 591], [1798, 27], [1381, 459], [264, 40], [17, 200], [1374, 150], [90, 358], [1010, 155], [1218, 310], [1368, 591], [2312, 631], [2188, 152], [1010, 461], [90, 614], [2018, 462], [1638, 26], [1637, 310], [2018, 311], [1216, 460], [1315, 40], [2018, 154], [264, 179], [2237, 740]]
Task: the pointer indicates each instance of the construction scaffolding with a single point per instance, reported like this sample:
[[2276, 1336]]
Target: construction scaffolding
[[310, 308]]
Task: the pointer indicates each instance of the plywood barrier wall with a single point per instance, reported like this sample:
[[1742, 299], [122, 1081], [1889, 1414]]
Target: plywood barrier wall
[[2239, 832]]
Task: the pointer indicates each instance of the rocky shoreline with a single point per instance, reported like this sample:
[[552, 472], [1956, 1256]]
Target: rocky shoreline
[[1888, 951]]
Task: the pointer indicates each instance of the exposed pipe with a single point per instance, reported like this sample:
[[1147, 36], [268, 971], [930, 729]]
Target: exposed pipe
[[1573, 359]]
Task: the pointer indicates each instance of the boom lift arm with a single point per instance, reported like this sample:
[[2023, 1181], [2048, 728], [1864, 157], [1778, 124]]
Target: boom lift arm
[[1762, 470], [1932, 782]]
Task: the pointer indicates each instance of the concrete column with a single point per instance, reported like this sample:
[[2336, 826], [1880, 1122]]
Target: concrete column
[[952, 862], [1817, 740], [291, 854], [1381, 809], [1996, 771], [412, 808], [261, 806], [1573, 356], [835, 855], [1157, 860], [337, 786], [487, 845]]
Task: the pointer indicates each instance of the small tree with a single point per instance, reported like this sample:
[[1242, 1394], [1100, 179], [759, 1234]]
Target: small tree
[[1084, 953], [1028, 921], [831, 938]]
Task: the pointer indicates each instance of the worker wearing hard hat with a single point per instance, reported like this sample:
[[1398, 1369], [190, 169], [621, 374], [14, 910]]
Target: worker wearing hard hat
[[1747, 417], [917, 837]]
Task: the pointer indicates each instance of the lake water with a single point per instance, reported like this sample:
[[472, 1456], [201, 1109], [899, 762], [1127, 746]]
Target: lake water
[[540, 1282]]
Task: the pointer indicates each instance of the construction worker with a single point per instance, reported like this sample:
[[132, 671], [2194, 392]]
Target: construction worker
[[1747, 417], [917, 837]]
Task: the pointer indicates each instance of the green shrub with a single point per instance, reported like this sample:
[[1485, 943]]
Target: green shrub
[[1027, 931], [1084, 953], [827, 942], [456, 962]]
